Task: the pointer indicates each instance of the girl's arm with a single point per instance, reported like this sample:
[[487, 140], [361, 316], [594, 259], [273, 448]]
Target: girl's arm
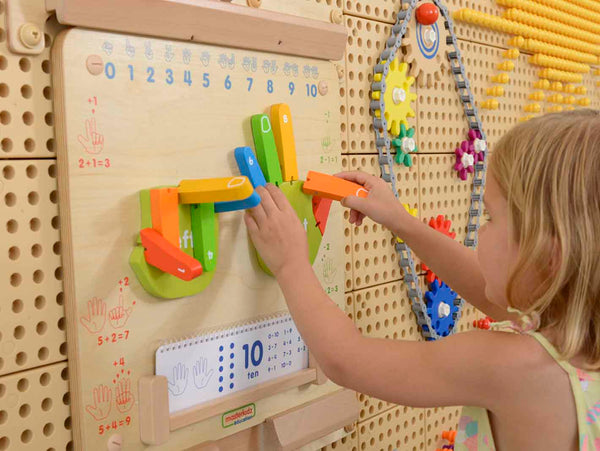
[[464, 369], [454, 263]]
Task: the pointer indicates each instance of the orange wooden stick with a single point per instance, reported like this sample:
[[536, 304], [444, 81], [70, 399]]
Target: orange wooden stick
[[321, 209], [165, 213], [159, 252], [330, 187]]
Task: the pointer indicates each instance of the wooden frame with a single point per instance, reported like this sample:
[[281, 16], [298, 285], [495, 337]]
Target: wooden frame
[[154, 404], [210, 22]]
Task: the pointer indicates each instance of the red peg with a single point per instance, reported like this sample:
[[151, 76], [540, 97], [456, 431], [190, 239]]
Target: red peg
[[427, 14]]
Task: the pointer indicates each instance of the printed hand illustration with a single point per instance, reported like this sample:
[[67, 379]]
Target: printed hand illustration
[[329, 270], [102, 398], [119, 315], [148, 50], [129, 49], [96, 317], [92, 142], [201, 376], [178, 383], [124, 396], [205, 58], [187, 56], [107, 47]]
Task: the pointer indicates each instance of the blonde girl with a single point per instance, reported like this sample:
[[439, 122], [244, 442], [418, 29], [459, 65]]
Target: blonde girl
[[532, 385]]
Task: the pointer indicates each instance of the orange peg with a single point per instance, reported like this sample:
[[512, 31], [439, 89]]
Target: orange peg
[[163, 255], [450, 436], [331, 187], [164, 208]]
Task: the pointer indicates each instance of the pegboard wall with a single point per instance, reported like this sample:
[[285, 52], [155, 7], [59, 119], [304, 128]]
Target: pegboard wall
[[34, 397]]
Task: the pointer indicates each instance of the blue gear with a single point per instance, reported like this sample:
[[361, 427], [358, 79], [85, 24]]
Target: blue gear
[[434, 298]]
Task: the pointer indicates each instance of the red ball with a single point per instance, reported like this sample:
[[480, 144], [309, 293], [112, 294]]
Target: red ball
[[427, 14]]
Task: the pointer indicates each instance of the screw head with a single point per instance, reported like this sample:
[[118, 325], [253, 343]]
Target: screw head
[[94, 64], [336, 16], [30, 35], [323, 88]]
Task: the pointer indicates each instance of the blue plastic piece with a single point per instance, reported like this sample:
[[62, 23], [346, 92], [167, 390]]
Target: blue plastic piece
[[244, 204], [248, 164], [434, 298]]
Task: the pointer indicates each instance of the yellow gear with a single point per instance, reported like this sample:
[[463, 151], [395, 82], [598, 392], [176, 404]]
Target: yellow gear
[[398, 97]]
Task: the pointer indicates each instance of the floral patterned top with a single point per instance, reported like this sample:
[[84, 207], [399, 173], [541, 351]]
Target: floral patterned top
[[475, 434]]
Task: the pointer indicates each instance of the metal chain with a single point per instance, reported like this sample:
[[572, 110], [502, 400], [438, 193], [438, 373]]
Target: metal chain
[[383, 145]]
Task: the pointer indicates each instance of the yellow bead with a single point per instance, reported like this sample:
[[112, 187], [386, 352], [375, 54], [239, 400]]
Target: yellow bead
[[554, 109], [581, 90], [569, 100], [512, 54], [569, 88], [555, 98], [556, 86], [506, 65], [496, 91], [501, 78], [532, 108], [516, 41], [538, 96], [559, 75], [542, 84], [584, 102], [526, 118], [489, 104]]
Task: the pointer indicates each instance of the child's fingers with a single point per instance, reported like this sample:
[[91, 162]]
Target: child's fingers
[[258, 215], [354, 176], [266, 201], [355, 203], [278, 197], [250, 223]]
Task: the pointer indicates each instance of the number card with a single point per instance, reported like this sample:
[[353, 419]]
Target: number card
[[210, 366]]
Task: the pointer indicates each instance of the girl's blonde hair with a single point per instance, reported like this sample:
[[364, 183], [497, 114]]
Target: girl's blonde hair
[[548, 168]]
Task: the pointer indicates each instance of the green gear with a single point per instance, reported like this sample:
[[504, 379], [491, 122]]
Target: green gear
[[404, 145]]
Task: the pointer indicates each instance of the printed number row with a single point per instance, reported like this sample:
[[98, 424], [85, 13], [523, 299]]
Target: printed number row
[[151, 77]]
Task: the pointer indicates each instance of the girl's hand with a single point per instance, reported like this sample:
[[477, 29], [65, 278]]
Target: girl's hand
[[276, 231], [381, 205]]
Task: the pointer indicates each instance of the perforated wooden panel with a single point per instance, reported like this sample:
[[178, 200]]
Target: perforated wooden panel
[[366, 40], [379, 10], [34, 410], [383, 311], [401, 428], [476, 34], [26, 117], [438, 420], [34, 403], [32, 329], [347, 443], [443, 193]]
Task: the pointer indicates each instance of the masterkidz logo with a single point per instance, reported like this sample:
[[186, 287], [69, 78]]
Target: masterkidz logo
[[238, 415]]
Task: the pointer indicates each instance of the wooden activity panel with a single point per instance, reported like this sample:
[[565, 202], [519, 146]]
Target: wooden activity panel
[[118, 134], [144, 113]]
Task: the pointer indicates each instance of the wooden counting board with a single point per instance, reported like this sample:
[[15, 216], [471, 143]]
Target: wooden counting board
[[137, 113]]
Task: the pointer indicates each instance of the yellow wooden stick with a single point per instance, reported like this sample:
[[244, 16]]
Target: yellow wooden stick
[[205, 191], [281, 120]]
